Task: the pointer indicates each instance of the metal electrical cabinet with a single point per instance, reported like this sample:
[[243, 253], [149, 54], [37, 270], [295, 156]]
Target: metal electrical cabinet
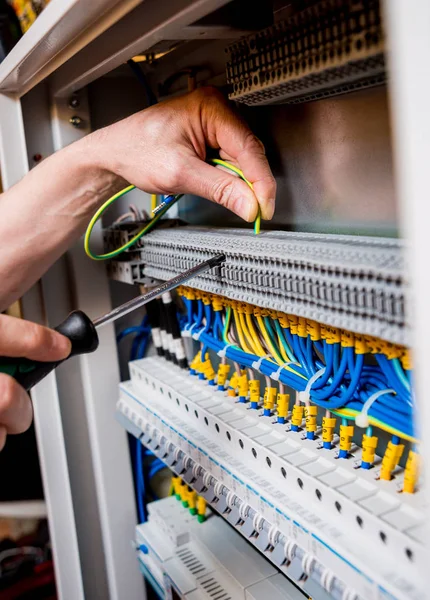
[[349, 154]]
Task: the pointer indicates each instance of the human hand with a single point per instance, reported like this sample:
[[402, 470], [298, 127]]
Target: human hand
[[163, 148], [20, 338]]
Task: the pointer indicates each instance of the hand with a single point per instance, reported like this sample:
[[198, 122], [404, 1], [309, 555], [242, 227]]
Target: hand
[[23, 339], [163, 148]]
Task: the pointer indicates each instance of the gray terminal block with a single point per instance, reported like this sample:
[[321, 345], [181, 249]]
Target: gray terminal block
[[262, 541], [295, 569], [199, 484], [314, 590], [352, 282], [128, 425], [233, 516]]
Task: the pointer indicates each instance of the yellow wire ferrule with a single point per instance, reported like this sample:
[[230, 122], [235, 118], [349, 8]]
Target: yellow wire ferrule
[[192, 501], [369, 445], [217, 302], [360, 345], [406, 360], [195, 363], [207, 370], [328, 426], [269, 400], [282, 403], [243, 386], [294, 324], [232, 385], [411, 472], [223, 371], [391, 459], [201, 509], [283, 319], [254, 392], [347, 339], [311, 413], [297, 417], [346, 433], [302, 330], [313, 330]]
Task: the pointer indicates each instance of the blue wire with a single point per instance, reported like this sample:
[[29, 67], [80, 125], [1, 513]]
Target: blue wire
[[140, 483], [284, 342]]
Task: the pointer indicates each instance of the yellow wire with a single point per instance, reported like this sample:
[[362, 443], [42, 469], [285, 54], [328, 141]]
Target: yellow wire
[[240, 333], [153, 202], [259, 348], [348, 412], [273, 350], [268, 341], [246, 333]]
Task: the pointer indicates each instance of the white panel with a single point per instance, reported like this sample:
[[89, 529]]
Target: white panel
[[63, 28], [407, 27]]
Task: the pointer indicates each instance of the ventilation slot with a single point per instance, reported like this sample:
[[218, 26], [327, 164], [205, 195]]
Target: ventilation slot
[[214, 589], [192, 563]]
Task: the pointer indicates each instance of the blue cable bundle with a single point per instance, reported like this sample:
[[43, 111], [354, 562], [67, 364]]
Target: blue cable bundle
[[346, 381]]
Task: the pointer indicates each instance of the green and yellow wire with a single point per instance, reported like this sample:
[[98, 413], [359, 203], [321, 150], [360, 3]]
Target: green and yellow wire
[[153, 221], [350, 414], [230, 167]]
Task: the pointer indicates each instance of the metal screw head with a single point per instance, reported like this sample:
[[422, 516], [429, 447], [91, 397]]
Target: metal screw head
[[74, 101], [76, 121]]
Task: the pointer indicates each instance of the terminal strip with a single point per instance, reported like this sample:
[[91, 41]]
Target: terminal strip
[[330, 47], [352, 282], [312, 515]]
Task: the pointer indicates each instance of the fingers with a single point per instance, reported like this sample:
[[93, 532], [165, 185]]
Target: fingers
[[22, 338], [15, 407], [221, 187], [253, 163], [226, 131]]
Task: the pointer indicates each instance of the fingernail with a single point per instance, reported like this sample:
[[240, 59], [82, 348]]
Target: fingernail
[[244, 208], [270, 208]]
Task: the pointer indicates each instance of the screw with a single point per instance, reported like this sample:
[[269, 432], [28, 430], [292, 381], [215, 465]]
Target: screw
[[76, 121], [74, 101]]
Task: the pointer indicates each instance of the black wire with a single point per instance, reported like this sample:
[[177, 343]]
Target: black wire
[[140, 76]]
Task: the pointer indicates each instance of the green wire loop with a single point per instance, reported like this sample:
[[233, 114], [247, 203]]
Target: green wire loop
[[153, 221]]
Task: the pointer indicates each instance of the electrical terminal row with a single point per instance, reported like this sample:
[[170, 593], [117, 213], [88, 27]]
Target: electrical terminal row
[[274, 338]]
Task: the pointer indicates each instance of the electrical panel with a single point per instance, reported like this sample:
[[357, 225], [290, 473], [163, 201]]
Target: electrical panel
[[295, 417], [284, 390]]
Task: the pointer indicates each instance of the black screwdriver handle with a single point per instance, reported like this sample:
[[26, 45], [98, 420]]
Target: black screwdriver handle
[[81, 332]]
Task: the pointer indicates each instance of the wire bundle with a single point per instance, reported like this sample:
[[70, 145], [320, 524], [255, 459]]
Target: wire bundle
[[329, 367]]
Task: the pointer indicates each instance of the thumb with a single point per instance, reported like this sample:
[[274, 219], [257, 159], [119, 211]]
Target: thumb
[[221, 187]]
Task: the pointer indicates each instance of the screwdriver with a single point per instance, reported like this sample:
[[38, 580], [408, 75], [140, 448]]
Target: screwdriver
[[81, 330]]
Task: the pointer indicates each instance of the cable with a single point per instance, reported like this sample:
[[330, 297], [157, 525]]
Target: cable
[[227, 165], [134, 239], [168, 202], [140, 483]]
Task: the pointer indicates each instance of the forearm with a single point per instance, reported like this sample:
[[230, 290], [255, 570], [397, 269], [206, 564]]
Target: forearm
[[161, 150], [43, 214]]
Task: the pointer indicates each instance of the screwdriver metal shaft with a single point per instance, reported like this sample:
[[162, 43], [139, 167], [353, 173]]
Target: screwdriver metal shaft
[[167, 286]]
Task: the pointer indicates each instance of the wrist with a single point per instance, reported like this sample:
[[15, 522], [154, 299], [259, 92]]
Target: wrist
[[89, 164]]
